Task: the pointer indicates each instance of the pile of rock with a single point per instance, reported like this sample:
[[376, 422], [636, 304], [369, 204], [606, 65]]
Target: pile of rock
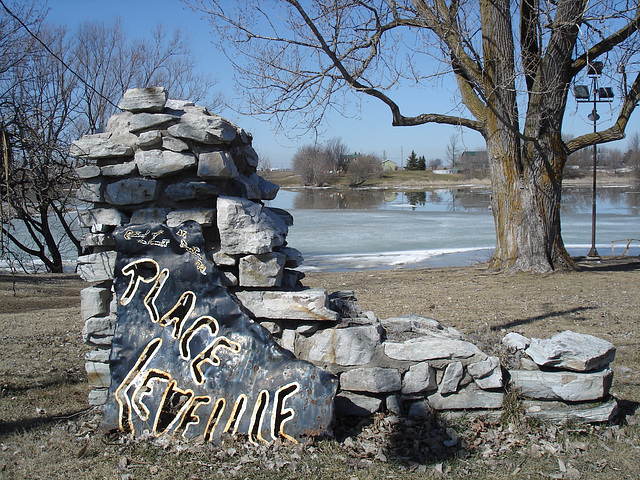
[[169, 161], [565, 377]]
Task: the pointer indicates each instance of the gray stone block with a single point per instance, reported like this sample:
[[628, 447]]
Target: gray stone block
[[150, 99], [565, 386], [347, 403], [419, 378], [94, 302], [572, 351], [204, 216], [468, 398], [345, 346], [218, 164], [97, 267], [451, 380], [130, 191], [371, 379], [263, 270], [303, 305], [162, 163]]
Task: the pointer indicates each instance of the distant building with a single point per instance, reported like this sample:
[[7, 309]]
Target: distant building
[[473, 161], [389, 166], [445, 171]]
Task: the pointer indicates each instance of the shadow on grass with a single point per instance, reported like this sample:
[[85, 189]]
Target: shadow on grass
[[24, 425], [537, 318]]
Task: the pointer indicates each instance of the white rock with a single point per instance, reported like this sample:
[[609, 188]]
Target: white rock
[[572, 351], [130, 191], [343, 346], [218, 164], [303, 305], [97, 267], [347, 403], [94, 301], [207, 129], [487, 374], [246, 228], [514, 341], [565, 386], [204, 216], [98, 374], [99, 146], [104, 216], [468, 398], [432, 348], [149, 215]]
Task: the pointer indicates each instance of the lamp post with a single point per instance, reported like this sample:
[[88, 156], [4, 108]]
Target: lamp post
[[602, 94]]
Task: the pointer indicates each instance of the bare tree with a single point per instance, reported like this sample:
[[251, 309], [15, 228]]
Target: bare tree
[[53, 89], [313, 164], [363, 168], [453, 150], [300, 58], [337, 151]]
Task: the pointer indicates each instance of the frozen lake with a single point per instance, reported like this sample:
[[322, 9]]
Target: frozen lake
[[373, 229]]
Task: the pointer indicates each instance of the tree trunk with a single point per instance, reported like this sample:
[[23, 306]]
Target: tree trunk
[[526, 201]]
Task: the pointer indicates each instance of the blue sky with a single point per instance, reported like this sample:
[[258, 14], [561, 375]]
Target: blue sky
[[369, 131]]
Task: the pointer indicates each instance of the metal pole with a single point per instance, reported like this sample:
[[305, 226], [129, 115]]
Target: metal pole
[[593, 253]]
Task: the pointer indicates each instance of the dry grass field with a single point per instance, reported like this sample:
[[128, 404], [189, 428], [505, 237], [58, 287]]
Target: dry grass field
[[47, 431]]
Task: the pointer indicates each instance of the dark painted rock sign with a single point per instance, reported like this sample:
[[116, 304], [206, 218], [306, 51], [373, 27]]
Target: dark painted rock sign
[[186, 361]]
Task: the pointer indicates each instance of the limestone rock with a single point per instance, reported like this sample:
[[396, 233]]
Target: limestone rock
[[150, 99], [371, 379], [98, 374], [264, 270], [88, 171], [120, 169], [130, 191], [514, 341], [204, 216], [97, 267], [246, 228], [344, 346], [565, 386], [104, 216], [572, 351], [162, 163], [150, 139], [91, 190], [149, 215], [451, 380], [192, 190], [207, 129], [94, 302], [433, 348], [561, 412], [420, 378], [216, 164], [99, 146], [143, 121], [487, 374], [304, 305]]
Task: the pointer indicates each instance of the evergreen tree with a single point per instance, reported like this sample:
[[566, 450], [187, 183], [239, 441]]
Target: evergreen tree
[[412, 161], [422, 163]]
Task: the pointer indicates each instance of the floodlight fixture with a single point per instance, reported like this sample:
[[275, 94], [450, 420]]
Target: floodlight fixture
[[581, 92], [595, 69]]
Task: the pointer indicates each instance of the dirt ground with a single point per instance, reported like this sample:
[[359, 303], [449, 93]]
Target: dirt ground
[[47, 432]]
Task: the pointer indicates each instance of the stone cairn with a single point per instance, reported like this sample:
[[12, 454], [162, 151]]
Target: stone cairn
[[169, 161]]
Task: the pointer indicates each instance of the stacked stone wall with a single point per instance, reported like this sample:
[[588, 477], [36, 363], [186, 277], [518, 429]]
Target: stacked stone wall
[[168, 161]]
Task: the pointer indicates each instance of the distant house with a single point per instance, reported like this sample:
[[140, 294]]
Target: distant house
[[389, 166], [473, 161], [445, 171]]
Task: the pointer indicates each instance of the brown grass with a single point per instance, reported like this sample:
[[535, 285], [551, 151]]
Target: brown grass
[[45, 431]]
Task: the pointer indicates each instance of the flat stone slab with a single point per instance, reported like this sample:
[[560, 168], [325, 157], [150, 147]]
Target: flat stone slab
[[302, 305], [565, 386], [371, 379], [433, 348], [561, 413], [572, 351]]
